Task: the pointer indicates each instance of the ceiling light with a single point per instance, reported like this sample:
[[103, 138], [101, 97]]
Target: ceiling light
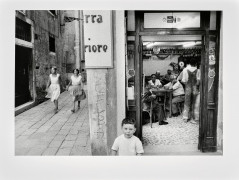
[[189, 44], [150, 45]]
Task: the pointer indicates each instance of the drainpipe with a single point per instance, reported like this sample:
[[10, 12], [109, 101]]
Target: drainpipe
[[82, 52], [77, 41]]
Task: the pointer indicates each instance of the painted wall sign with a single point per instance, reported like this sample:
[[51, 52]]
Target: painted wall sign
[[181, 64], [211, 73], [212, 57], [98, 39], [212, 60], [131, 72], [211, 69], [172, 20]]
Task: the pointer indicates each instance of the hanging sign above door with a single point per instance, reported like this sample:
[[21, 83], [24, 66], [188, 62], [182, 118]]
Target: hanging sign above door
[[98, 39], [178, 20]]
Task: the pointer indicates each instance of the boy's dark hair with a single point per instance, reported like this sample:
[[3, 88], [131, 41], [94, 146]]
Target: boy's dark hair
[[153, 75], [128, 120], [54, 67]]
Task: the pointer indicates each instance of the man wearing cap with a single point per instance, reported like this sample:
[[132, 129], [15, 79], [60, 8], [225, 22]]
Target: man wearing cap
[[178, 93]]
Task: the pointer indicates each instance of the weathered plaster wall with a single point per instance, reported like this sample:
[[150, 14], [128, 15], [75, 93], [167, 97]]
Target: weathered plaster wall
[[69, 43], [104, 94], [43, 60], [151, 66], [120, 58], [72, 42], [97, 94]]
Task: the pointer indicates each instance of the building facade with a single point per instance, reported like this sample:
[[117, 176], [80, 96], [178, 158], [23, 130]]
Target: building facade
[[73, 42], [42, 40]]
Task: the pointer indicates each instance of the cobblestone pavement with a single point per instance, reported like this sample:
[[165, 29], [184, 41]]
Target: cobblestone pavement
[[39, 131], [176, 132]]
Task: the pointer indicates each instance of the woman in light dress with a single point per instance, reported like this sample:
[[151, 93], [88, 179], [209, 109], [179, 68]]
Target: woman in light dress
[[75, 88], [53, 87]]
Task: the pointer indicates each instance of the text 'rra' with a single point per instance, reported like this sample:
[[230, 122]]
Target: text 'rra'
[[93, 18]]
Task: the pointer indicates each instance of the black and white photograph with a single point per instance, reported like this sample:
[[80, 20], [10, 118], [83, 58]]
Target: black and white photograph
[[118, 82], [88, 86]]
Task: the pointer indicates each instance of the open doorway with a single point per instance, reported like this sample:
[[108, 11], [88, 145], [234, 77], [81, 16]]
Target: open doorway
[[22, 71], [164, 58]]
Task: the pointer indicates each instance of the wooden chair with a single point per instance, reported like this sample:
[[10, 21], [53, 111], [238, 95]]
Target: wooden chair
[[150, 110]]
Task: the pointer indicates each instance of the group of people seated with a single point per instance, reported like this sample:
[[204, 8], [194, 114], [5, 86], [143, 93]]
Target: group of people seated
[[185, 88]]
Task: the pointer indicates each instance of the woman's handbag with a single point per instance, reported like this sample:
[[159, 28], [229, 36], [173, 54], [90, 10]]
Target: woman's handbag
[[83, 94]]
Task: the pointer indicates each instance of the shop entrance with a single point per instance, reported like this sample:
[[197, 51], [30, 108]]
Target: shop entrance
[[22, 65], [147, 32], [161, 56]]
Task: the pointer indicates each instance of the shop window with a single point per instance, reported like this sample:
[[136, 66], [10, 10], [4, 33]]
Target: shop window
[[52, 44], [23, 30]]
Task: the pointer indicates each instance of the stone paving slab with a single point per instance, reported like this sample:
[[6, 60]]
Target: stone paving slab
[[41, 132]]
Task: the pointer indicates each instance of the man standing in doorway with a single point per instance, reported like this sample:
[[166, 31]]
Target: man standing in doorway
[[191, 78]]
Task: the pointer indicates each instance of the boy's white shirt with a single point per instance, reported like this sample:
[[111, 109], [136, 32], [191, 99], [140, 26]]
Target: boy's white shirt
[[127, 146]]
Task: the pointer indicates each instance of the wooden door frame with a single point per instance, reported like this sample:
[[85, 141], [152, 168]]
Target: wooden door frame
[[138, 73], [205, 31], [208, 129]]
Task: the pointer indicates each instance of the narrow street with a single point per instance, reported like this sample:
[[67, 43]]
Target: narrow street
[[40, 132]]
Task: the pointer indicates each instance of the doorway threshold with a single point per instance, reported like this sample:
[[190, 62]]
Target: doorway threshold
[[175, 150], [20, 109]]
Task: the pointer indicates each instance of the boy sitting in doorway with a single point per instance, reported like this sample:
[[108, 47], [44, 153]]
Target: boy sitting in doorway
[[127, 144]]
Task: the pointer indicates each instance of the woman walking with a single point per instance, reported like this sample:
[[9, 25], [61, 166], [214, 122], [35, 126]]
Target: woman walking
[[75, 88], [53, 87]]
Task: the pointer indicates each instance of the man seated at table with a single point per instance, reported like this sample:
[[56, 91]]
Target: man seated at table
[[166, 78], [154, 83], [178, 94]]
